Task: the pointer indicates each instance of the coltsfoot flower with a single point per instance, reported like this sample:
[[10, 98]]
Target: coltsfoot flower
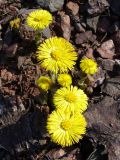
[[64, 80], [88, 66], [39, 19], [66, 129], [15, 23], [70, 99], [57, 55], [44, 83]]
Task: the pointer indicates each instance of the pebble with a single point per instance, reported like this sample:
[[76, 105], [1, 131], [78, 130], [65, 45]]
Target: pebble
[[107, 49], [53, 5]]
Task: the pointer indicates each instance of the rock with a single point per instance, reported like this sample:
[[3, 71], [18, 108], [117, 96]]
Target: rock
[[21, 60], [112, 87], [105, 129], [53, 5], [65, 25], [97, 7], [115, 6], [106, 64], [46, 32], [107, 49], [89, 53], [85, 37], [103, 24], [6, 75], [92, 22], [116, 40], [20, 104], [11, 50], [26, 33], [73, 7], [70, 153], [104, 125], [75, 19], [99, 77]]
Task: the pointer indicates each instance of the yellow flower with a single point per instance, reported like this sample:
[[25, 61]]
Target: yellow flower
[[70, 99], [64, 80], [15, 23], [57, 55], [39, 19], [88, 66], [44, 83], [66, 129]]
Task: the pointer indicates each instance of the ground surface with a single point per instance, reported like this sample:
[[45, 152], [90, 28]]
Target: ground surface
[[93, 27]]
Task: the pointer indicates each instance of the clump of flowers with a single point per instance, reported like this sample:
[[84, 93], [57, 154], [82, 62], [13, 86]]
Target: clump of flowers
[[70, 99], [57, 55], [15, 23], [64, 79], [66, 128], [39, 19], [88, 66], [44, 83]]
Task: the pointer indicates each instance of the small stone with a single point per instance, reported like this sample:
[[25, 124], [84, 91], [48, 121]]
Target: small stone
[[21, 60], [107, 49], [89, 53], [65, 25], [85, 37], [67, 154], [42, 142], [58, 154], [6, 75], [46, 32], [53, 5], [20, 104], [112, 87], [92, 22], [106, 64], [11, 50], [14, 108], [97, 7], [22, 107], [73, 7], [99, 77]]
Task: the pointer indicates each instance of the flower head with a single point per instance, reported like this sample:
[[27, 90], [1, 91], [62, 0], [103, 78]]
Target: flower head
[[44, 83], [39, 19], [66, 129], [57, 55], [88, 66], [64, 80], [70, 99], [15, 23]]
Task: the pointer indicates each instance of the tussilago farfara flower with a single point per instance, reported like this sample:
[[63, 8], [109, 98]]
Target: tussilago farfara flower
[[39, 19], [64, 79], [66, 129], [88, 66], [70, 99], [57, 55], [15, 23], [44, 83]]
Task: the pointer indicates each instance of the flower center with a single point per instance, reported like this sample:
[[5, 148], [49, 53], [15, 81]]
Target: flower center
[[37, 19], [56, 55], [70, 98], [66, 125]]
